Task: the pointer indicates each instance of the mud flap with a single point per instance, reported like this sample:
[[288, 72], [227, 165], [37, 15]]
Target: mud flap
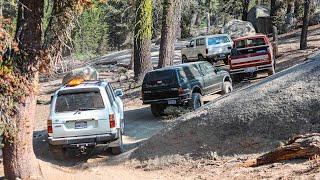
[[117, 142]]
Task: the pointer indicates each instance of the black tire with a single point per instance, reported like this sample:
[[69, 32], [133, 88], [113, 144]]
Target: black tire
[[196, 101], [119, 149], [201, 58], [271, 71], [225, 61], [184, 59], [236, 78], [226, 87], [58, 152], [157, 109]]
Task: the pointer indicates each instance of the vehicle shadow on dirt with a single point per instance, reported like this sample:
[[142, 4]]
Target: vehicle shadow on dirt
[[140, 126]]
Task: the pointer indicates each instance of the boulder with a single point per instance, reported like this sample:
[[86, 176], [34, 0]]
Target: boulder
[[86, 73], [237, 28]]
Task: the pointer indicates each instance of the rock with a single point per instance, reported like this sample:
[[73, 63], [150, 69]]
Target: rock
[[259, 16], [237, 28], [86, 73]]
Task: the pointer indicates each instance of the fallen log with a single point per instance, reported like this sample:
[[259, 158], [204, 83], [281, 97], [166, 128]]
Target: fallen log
[[300, 147]]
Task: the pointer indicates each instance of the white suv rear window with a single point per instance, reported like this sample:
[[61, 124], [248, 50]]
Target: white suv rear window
[[83, 100]]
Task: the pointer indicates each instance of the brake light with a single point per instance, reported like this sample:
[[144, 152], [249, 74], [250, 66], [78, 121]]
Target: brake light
[[112, 121], [49, 126], [207, 51], [181, 91]]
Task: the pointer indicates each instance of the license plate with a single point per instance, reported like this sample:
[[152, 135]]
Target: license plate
[[250, 69], [172, 102], [80, 125]]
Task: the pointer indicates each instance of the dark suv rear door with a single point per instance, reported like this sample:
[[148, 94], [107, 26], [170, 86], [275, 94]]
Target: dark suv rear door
[[210, 78], [160, 85]]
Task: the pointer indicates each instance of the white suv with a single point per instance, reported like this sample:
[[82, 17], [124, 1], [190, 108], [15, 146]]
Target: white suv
[[83, 115], [211, 48]]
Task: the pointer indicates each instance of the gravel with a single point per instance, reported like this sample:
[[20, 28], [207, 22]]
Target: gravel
[[251, 120]]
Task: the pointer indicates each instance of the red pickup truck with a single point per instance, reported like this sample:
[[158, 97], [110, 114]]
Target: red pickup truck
[[250, 55]]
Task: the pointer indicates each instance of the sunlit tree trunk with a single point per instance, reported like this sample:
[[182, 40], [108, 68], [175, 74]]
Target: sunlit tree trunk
[[142, 38], [19, 160]]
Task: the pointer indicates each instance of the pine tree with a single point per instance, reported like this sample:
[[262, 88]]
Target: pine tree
[[168, 34], [304, 33], [142, 38]]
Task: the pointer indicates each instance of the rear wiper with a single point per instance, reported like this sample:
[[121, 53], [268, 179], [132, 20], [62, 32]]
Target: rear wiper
[[86, 109]]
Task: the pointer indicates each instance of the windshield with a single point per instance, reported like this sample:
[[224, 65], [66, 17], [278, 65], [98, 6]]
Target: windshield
[[160, 78], [79, 100], [218, 40]]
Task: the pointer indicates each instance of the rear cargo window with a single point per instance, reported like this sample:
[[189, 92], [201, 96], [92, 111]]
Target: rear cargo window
[[77, 100], [160, 78], [218, 40]]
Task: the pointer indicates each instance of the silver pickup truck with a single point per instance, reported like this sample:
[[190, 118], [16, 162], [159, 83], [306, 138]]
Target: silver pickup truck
[[211, 48]]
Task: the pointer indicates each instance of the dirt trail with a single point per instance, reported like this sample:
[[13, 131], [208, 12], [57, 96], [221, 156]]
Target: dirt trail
[[141, 125]]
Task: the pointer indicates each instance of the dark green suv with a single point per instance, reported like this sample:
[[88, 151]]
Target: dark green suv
[[183, 85]]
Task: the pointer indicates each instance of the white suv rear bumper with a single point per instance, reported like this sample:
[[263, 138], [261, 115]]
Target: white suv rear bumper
[[93, 139]]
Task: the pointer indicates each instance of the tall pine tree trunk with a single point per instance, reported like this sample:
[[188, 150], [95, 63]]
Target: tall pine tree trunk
[[142, 39], [304, 33], [168, 34], [19, 160]]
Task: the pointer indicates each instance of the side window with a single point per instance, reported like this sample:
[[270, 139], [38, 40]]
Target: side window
[[201, 42], [192, 43], [110, 94], [209, 68], [206, 68], [191, 72], [182, 75]]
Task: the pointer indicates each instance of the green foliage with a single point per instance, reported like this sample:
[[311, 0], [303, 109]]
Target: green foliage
[[13, 87], [90, 35], [143, 23], [120, 22]]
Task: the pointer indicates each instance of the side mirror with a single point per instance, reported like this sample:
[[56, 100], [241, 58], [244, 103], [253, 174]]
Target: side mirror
[[217, 69], [118, 93]]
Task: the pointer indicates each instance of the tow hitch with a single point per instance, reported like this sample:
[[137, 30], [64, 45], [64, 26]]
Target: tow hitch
[[82, 147]]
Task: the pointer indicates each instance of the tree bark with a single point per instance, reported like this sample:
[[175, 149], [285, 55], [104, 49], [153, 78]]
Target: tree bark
[[142, 39], [303, 146], [304, 33], [166, 54], [245, 9], [19, 160], [59, 29]]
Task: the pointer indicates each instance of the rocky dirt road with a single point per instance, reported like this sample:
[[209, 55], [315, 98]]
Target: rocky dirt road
[[140, 126]]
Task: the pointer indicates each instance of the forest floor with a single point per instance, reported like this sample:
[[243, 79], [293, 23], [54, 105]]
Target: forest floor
[[141, 126]]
